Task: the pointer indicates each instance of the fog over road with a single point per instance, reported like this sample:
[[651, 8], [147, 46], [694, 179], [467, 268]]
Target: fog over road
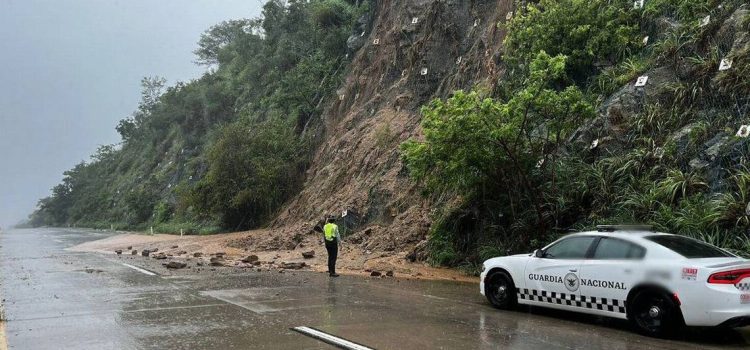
[[58, 299]]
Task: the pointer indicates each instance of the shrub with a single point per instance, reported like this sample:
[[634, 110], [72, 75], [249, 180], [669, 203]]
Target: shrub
[[590, 33]]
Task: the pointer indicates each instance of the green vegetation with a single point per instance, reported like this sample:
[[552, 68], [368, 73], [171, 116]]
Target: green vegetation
[[221, 152], [589, 33], [564, 140], [523, 172]]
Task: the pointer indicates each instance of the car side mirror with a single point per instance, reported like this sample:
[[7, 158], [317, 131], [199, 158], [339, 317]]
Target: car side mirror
[[539, 253]]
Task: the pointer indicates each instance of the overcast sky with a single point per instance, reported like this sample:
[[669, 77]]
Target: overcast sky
[[71, 69]]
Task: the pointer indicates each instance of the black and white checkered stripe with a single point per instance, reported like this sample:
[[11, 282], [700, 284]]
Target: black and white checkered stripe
[[604, 304], [744, 286]]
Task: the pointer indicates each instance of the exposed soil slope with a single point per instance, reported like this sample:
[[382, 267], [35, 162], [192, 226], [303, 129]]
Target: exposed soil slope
[[414, 51]]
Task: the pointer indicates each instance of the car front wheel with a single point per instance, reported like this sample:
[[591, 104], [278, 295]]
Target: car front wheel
[[500, 290], [654, 314]]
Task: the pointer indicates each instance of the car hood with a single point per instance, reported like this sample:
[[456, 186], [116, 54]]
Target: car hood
[[501, 258]]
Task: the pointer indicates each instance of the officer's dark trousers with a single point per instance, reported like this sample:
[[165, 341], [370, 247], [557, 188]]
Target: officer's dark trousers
[[333, 251]]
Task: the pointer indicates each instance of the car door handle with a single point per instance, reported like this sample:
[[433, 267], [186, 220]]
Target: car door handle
[[573, 270]]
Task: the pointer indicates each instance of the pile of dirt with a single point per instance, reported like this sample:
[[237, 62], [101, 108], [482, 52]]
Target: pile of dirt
[[220, 251]]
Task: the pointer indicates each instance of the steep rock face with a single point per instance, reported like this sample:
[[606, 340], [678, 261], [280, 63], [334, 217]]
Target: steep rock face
[[413, 51]]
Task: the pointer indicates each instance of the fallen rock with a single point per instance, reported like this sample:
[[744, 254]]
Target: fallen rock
[[154, 250], [217, 261], [220, 254], [118, 252], [175, 247], [145, 252], [308, 255], [129, 247], [181, 252], [161, 256], [134, 252], [375, 274], [293, 265], [200, 264], [251, 259], [197, 254], [176, 265], [389, 274]]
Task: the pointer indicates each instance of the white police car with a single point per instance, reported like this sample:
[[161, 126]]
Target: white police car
[[658, 281]]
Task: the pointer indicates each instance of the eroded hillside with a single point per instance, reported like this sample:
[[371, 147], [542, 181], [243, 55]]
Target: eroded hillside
[[574, 113], [412, 52]]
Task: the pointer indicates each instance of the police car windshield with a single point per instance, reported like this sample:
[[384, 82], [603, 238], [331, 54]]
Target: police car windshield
[[689, 248]]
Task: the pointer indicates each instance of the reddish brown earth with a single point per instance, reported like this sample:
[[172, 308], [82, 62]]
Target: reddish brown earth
[[357, 166], [353, 260]]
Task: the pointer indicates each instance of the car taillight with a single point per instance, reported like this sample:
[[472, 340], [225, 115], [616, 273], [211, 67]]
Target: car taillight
[[729, 277]]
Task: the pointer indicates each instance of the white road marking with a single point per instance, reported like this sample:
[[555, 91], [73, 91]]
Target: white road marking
[[330, 339], [139, 269], [256, 306]]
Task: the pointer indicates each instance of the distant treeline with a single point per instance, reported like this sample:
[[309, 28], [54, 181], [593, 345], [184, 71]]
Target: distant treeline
[[224, 151]]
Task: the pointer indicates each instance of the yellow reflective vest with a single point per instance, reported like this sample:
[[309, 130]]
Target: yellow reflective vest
[[330, 230]]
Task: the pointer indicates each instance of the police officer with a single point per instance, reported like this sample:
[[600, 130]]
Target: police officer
[[332, 240]]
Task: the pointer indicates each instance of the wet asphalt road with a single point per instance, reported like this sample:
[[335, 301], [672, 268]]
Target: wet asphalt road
[[58, 299]]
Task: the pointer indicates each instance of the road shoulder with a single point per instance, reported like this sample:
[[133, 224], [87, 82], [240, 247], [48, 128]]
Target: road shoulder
[[3, 338], [354, 259]]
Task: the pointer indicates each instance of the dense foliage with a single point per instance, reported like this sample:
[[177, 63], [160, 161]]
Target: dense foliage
[[495, 151], [224, 151], [514, 158]]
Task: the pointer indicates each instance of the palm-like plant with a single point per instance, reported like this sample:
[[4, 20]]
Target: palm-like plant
[[678, 184], [736, 202]]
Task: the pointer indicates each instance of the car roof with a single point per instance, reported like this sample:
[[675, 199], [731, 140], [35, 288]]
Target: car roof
[[637, 236], [626, 234], [634, 236]]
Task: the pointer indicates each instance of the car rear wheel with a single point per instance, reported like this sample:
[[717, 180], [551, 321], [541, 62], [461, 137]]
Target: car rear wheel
[[654, 314], [500, 290]]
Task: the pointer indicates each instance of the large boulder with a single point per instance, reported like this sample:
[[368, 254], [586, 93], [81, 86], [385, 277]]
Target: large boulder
[[609, 127], [359, 36], [720, 153]]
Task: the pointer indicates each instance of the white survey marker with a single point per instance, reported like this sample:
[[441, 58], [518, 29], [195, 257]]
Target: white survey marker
[[330, 339], [642, 80], [725, 64], [139, 269]]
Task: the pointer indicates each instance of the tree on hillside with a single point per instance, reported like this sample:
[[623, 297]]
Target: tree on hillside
[[500, 152]]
